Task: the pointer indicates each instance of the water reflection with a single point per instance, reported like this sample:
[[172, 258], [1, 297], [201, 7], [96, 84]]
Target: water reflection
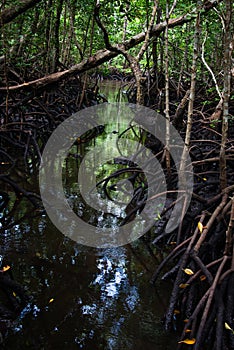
[[81, 298], [101, 298]]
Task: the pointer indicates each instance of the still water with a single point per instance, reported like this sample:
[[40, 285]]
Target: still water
[[81, 297]]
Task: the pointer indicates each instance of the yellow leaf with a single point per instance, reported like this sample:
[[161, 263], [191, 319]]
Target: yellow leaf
[[188, 341], [38, 254], [176, 312], [228, 327], [202, 277], [188, 271], [51, 300], [14, 294], [188, 330], [186, 320], [204, 178], [183, 285], [200, 227], [172, 242], [5, 268]]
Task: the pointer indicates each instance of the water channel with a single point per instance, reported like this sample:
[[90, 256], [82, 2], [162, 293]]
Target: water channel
[[81, 297]]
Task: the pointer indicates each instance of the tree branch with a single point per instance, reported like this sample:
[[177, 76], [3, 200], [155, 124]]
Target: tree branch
[[12, 12], [100, 56]]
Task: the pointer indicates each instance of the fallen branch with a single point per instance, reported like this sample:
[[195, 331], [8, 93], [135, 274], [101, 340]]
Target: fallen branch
[[101, 56]]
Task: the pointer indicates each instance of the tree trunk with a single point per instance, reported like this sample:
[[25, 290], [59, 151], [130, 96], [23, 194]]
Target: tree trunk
[[226, 92]]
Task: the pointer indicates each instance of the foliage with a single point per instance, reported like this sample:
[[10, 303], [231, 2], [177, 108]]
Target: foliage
[[30, 40]]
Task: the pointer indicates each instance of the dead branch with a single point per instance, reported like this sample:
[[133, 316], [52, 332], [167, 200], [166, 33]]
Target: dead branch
[[100, 56]]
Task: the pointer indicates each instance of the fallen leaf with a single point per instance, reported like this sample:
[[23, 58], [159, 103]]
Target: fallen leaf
[[51, 300], [5, 268], [14, 294], [188, 330], [183, 285], [188, 341], [200, 227], [188, 271], [228, 327], [176, 312], [202, 277]]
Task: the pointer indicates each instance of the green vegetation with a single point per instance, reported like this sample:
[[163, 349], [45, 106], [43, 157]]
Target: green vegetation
[[173, 56]]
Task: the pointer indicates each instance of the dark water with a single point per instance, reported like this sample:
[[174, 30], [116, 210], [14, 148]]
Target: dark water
[[81, 297]]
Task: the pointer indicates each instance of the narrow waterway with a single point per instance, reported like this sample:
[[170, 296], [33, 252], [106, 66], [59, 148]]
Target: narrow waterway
[[81, 297]]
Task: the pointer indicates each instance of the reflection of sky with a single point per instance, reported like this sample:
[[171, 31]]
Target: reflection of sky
[[115, 288], [110, 277]]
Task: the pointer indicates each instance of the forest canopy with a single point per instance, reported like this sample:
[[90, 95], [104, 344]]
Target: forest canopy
[[55, 36]]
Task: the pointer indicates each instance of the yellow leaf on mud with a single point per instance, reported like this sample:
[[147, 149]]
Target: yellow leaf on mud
[[188, 271], [51, 300], [200, 227], [188, 330], [183, 285], [188, 341], [228, 327], [5, 268], [202, 277], [14, 294], [176, 312]]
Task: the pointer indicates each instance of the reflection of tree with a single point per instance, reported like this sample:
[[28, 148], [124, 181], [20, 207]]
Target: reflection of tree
[[13, 298], [111, 310], [17, 205]]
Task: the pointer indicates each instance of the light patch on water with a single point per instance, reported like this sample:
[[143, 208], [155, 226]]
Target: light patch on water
[[110, 276], [88, 309], [132, 299], [36, 310]]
